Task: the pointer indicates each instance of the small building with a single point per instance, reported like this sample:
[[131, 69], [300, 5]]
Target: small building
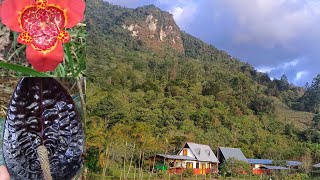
[[293, 164], [276, 168], [316, 170], [198, 157], [316, 165], [273, 169], [259, 165], [225, 153]]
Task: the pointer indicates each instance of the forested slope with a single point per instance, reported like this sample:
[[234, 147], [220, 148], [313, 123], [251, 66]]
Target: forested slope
[[147, 100]]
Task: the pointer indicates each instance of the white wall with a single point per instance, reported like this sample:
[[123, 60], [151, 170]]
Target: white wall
[[190, 154]]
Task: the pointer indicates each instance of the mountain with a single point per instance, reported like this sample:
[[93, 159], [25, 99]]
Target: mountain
[[152, 87], [156, 29]]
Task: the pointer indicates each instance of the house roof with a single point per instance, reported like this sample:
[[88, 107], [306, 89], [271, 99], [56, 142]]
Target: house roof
[[317, 165], [293, 163], [202, 152], [233, 153], [168, 156], [260, 161], [276, 167]]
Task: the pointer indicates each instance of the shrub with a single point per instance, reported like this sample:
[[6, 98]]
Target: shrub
[[235, 167], [188, 173], [299, 176], [160, 174]]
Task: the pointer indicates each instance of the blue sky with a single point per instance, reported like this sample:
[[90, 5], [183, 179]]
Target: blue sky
[[275, 36]]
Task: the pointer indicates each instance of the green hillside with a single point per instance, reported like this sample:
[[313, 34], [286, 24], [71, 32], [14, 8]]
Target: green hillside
[[301, 120], [144, 100]]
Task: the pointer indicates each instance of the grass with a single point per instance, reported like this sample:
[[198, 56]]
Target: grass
[[301, 120]]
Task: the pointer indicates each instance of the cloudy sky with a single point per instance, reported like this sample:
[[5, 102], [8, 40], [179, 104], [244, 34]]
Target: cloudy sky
[[276, 36]]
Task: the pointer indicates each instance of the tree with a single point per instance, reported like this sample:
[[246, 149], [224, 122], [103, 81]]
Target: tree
[[311, 98], [316, 121], [262, 104], [306, 161]]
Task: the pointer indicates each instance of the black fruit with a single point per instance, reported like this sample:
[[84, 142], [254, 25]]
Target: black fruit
[[41, 112]]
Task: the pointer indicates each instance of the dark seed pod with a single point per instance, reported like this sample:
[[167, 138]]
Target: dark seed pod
[[42, 113]]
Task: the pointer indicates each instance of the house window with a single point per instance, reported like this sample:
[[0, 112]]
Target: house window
[[197, 165], [185, 152], [189, 165]]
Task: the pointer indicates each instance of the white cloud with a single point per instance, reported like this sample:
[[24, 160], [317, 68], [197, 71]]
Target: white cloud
[[282, 68], [177, 12], [183, 11], [265, 69], [300, 75], [290, 64], [273, 22], [183, 15]]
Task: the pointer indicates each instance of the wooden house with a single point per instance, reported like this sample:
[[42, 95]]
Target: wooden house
[[198, 157]]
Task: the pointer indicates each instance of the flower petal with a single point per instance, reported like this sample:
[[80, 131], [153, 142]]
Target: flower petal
[[75, 10], [64, 36], [24, 38], [44, 62], [10, 12]]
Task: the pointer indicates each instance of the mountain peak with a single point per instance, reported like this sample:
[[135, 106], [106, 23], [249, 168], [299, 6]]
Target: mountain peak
[[155, 28], [151, 7]]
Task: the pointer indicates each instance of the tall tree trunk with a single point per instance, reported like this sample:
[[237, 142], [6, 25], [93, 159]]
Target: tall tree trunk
[[140, 155], [124, 162], [142, 161], [134, 172], [134, 146], [105, 161], [153, 164]]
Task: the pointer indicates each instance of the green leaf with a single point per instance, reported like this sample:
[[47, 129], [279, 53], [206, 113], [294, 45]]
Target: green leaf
[[22, 69], [70, 58]]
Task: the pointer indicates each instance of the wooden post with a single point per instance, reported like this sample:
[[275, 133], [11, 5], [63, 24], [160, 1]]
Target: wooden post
[[134, 172], [181, 169]]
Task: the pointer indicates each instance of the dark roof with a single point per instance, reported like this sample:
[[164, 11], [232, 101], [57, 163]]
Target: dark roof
[[168, 156], [293, 163], [233, 153], [202, 152], [260, 161], [317, 165], [276, 167]]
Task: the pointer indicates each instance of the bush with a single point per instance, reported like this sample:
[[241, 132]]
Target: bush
[[175, 177], [299, 176], [160, 174], [188, 173], [235, 167]]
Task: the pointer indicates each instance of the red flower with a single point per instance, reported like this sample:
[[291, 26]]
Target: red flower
[[42, 24]]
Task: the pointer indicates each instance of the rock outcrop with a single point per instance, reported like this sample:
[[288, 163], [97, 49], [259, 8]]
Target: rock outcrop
[[155, 28]]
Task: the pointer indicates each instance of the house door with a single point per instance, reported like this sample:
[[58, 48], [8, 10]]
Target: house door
[[203, 168]]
